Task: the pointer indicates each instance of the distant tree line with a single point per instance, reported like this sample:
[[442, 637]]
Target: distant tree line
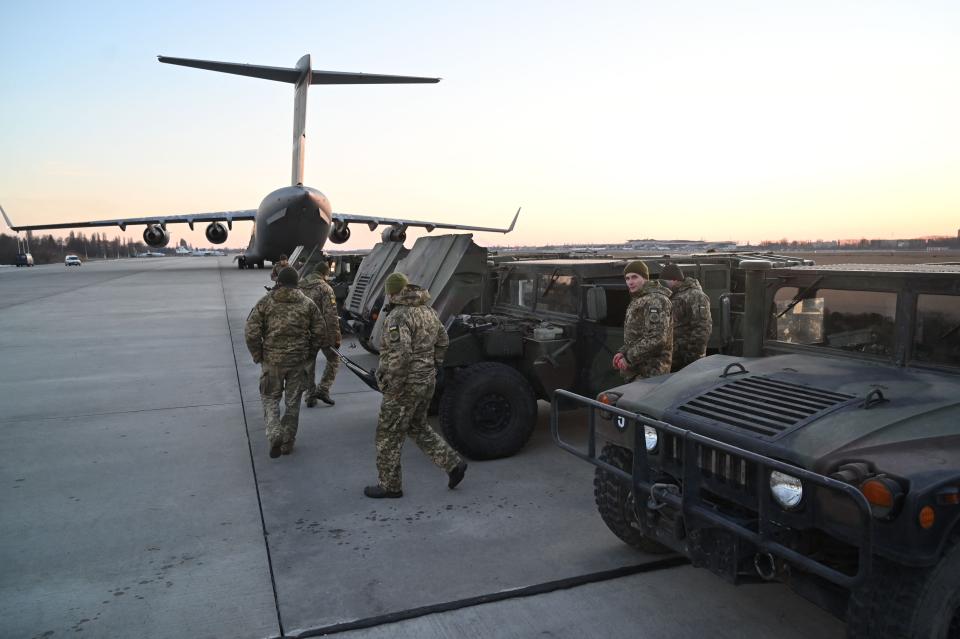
[[916, 244], [48, 249]]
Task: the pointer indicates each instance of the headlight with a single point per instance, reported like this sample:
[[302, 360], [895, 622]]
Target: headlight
[[650, 438], [787, 490]]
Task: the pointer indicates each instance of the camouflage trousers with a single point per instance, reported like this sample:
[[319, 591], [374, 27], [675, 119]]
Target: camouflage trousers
[[329, 373], [403, 416], [687, 354], [286, 384]]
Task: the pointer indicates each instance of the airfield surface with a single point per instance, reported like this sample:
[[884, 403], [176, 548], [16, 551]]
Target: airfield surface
[[137, 497]]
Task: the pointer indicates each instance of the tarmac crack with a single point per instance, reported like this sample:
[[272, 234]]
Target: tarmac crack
[[116, 412], [667, 563], [253, 466]]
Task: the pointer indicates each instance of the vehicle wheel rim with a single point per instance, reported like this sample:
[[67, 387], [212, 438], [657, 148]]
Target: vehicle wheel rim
[[492, 414]]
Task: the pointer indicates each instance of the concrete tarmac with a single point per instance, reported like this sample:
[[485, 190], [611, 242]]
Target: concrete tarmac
[[137, 497]]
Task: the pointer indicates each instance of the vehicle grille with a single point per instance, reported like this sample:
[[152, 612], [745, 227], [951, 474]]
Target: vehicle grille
[[359, 287], [763, 406], [715, 465]]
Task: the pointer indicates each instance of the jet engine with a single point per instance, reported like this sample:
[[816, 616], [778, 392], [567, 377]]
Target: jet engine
[[216, 233], [340, 233], [156, 236], [394, 233]]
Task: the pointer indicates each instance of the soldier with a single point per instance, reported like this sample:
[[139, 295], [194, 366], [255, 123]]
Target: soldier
[[283, 332], [316, 288], [647, 329], [692, 322], [281, 263], [412, 349]]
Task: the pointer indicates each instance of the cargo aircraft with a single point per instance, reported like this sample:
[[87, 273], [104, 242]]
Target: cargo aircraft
[[290, 216]]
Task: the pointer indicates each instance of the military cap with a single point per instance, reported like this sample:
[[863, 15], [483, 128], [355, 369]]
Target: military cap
[[322, 267], [639, 267], [395, 283], [288, 276], [671, 272]]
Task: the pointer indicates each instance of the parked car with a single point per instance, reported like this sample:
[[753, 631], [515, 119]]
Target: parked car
[[72, 260], [24, 259]]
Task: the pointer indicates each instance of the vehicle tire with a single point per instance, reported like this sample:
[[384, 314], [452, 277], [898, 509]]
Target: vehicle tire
[[364, 341], [900, 603], [488, 411], [615, 501]]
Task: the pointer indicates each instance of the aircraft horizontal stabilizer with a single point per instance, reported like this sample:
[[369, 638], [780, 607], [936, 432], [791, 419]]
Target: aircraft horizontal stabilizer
[[292, 75]]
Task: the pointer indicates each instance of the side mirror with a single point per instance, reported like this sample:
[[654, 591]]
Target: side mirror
[[596, 309]]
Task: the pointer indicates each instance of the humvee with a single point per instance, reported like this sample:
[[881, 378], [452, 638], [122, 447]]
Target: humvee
[[554, 324], [826, 456]]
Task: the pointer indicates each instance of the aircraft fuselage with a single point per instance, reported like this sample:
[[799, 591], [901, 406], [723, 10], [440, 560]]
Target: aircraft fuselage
[[289, 217]]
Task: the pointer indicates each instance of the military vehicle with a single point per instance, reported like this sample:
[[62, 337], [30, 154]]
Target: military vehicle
[[361, 306], [343, 271], [827, 455], [554, 324]]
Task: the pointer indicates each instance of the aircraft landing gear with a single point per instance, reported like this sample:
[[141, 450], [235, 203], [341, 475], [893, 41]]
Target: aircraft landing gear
[[241, 262]]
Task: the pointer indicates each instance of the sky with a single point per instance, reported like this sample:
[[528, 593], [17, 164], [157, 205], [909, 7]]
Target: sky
[[605, 121]]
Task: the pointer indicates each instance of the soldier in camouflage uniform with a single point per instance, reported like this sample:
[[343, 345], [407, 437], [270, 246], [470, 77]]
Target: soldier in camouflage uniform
[[647, 329], [279, 266], [316, 288], [692, 322], [283, 333], [412, 348]]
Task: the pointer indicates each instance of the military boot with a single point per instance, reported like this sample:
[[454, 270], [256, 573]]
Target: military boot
[[324, 396], [378, 492], [286, 448], [275, 449], [456, 475]]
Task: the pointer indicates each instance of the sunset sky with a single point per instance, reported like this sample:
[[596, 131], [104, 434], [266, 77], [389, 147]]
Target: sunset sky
[[605, 120]]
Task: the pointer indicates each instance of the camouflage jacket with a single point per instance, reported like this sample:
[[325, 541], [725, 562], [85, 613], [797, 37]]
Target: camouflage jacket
[[285, 329], [276, 270], [414, 342], [316, 288], [692, 322], [648, 332]]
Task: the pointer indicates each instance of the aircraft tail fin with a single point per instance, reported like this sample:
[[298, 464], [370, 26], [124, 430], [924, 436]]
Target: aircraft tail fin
[[302, 76]]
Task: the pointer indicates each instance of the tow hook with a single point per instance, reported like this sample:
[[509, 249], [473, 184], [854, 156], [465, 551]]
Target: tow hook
[[765, 565], [657, 491]]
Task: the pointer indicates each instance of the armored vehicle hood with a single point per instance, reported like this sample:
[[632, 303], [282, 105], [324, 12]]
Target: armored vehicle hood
[[809, 410]]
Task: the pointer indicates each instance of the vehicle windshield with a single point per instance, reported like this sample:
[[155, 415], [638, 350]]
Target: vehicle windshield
[[857, 321], [518, 289], [544, 291], [936, 339]]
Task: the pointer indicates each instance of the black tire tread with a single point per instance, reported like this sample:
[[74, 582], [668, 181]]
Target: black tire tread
[[889, 604], [460, 386], [612, 501]]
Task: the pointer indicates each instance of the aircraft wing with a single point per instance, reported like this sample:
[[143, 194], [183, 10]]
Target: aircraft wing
[[190, 218], [373, 221]]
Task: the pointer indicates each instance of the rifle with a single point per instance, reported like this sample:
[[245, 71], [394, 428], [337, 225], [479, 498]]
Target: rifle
[[367, 377]]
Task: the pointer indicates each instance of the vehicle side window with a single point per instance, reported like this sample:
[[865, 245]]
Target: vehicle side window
[[558, 293], [858, 321], [937, 338], [618, 299]]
